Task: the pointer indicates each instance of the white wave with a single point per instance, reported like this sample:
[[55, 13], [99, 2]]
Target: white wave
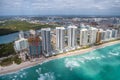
[[89, 58], [97, 57], [115, 54], [24, 73], [21, 76], [47, 76], [103, 56], [82, 60], [38, 70], [70, 63], [15, 76]]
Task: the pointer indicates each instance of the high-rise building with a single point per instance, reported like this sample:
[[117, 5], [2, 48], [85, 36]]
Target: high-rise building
[[21, 34], [32, 32], [100, 36], [60, 38], [34, 46], [114, 33], [21, 45], [46, 41], [72, 42], [83, 37], [108, 35], [92, 35]]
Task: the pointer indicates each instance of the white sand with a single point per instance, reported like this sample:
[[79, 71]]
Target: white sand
[[15, 67]]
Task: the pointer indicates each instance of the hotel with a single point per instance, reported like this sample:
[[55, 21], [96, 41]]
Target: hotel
[[60, 38], [46, 42], [72, 42]]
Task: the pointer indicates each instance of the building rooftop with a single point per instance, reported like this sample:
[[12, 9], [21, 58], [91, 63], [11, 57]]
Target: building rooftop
[[32, 32], [60, 28], [45, 29], [21, 39], [83, 29], [72, 26]]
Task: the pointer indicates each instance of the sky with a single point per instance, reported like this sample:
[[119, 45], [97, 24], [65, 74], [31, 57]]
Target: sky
[[59, 7]]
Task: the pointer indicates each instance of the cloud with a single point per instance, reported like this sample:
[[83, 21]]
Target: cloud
[[56, 6]]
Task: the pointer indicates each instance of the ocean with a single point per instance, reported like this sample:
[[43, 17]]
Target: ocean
[[100, 64]]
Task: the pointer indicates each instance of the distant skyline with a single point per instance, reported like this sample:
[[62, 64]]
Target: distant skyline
[[59, 7]]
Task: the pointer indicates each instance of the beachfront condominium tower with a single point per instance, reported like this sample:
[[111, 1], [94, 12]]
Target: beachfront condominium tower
[[60, 38], [108, 34], [92, 35], [72, 38], [21, 45], [34, 44], [114, 33], [83, 37], [100, 36], [46, 41]]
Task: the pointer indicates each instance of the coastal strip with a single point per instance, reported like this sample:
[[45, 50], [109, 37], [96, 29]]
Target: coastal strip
[[15, 67]]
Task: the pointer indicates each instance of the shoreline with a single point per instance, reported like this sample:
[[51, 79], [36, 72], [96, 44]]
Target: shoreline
[[14, 67]]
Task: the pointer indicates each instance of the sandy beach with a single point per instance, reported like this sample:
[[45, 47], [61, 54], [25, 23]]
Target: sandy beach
[[15, 67]]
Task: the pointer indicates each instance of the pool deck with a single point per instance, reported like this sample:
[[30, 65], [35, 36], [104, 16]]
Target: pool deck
[[23, 65]]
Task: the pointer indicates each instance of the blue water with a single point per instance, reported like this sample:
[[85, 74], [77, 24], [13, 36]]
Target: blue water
[[100, 64], [8, 38]]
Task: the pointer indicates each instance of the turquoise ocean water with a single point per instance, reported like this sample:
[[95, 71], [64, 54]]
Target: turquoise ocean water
[[100, 64]]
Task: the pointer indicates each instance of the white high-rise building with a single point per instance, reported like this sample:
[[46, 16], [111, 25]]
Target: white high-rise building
[[72, 37], [21, 44], [60, 38], [46, 41], [21, 34], [83, 37], [92, 35], [32, 32], [103, 33], [108, 35], [114, 33]]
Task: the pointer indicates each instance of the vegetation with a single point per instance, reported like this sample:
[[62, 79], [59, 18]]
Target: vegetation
[[10, 60], [17, 60], [6, 62], [6, 50], [11, 26], [6, 31]]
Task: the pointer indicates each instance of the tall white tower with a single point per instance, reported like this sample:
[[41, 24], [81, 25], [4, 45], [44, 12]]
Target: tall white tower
[[60, 38], [83, 37], [46, 41], [72, 38]]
